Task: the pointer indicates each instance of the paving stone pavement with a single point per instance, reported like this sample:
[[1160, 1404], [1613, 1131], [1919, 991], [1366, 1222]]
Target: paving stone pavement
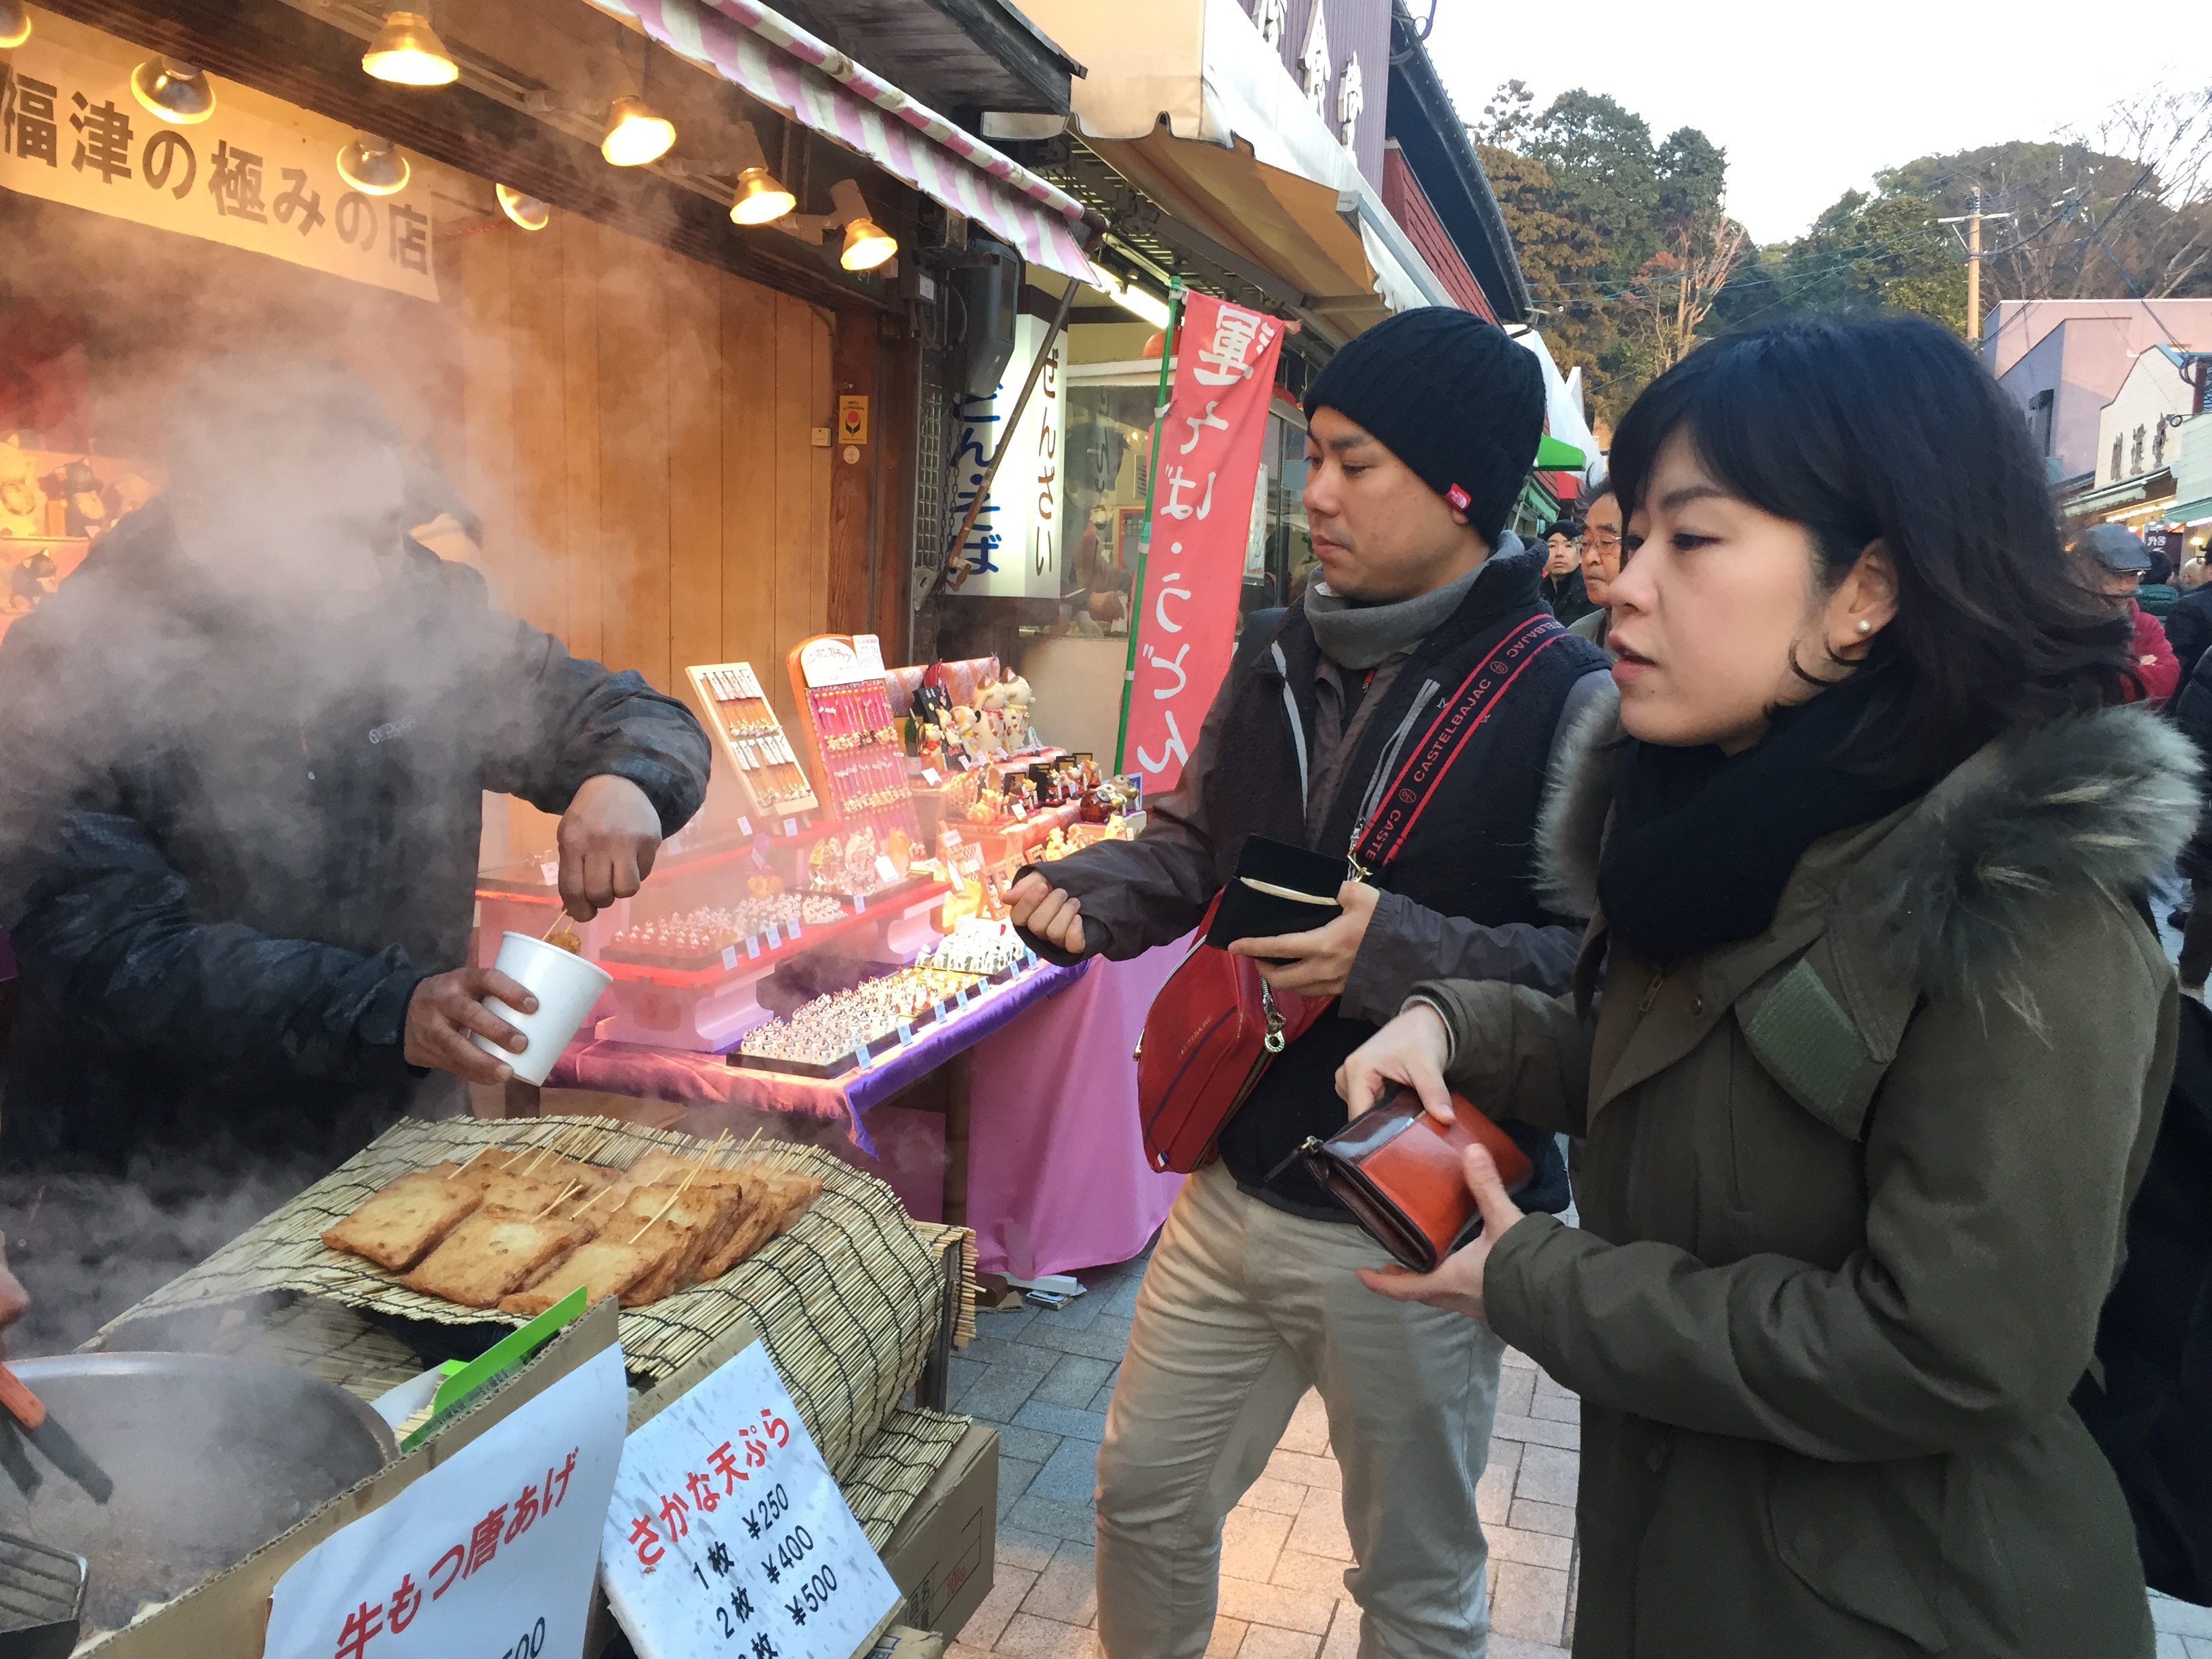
[[1043, 1378]]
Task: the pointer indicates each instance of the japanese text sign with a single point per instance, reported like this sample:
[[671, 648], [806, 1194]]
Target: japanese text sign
[[728, 1535], [258, 174], [1202, 501], [1014, 547], [488, 1555]]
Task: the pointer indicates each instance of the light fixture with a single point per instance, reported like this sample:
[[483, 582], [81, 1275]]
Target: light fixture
[[636, 133], [408, 52], [867, 245], [525, 211], [1136, 302], [14, 23], [760, 198], [373, 167], [177, 92]]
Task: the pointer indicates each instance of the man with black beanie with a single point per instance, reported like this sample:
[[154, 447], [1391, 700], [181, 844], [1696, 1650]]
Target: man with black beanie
[[1421, 432]]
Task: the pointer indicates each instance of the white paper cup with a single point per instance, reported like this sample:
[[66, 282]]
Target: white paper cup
[[566, 987]]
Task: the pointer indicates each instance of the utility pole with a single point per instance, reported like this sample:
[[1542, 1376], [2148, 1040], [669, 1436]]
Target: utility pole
[[1973, 221]]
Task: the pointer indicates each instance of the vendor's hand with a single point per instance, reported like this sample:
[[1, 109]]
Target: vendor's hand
[[1048, 912], [1457, 1285], [1410, 1050], [609, 835], [1319, 961], [444, 1009]]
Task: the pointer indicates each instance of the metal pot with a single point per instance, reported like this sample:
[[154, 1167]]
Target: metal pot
[[211, 1458]]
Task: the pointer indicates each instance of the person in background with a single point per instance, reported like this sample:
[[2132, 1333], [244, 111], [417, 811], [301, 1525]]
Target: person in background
[[241, 799], [1423, 429], [2194, 572], [1869, 1038], [2111, 558], [1562, 587], [2158, 595], [2188, 624], [1601, 559]]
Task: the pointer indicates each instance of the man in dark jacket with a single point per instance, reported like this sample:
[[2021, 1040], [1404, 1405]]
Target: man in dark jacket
[[1422, 431], [1563, 587], [241, 789]]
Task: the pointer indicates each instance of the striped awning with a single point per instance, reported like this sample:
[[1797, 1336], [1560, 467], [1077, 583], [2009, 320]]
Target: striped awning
[[756, 48]]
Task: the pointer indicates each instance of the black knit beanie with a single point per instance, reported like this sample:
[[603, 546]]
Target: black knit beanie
[[1451, 397]]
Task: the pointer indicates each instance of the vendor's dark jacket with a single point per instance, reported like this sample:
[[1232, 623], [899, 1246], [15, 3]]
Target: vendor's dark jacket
[[231, 845], [1567, 597], [1277, 756]]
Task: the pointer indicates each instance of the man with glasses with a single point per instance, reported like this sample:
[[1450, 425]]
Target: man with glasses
[[1601, 561]]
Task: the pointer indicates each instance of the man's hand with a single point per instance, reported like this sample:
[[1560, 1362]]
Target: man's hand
[[444, 1009], [15, 1300], [609, 835], [1410, 1050], [1048, 912], [1457, 1285], [1320, 962]]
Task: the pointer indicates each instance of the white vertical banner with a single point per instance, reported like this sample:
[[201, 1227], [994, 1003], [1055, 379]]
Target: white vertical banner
[[1014, 547]]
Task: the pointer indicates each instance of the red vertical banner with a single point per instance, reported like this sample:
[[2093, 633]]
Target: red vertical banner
[[1202, 502]]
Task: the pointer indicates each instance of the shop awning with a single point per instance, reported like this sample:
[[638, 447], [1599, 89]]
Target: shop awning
[[2144, 487], [1184, 100], [753, 48], [2191, 513]]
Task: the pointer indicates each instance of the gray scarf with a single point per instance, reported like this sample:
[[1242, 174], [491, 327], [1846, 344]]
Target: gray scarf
[[1356, 636]]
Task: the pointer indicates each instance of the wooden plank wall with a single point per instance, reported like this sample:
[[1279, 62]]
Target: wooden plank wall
[[637, 441]]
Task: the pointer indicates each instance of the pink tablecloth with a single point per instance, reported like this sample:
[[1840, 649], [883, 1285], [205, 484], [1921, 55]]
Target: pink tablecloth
[[1057, 1178]]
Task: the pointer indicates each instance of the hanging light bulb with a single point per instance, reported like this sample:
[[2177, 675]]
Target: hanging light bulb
[[867, 245], [636, 133], [525, 211], [761, 198], [408, 52], [373, 167], [175, 92], [14, 23]]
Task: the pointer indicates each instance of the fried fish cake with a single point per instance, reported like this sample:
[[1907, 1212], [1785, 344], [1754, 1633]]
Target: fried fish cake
[[404, 1219], [603, 1267], [493, 1253]]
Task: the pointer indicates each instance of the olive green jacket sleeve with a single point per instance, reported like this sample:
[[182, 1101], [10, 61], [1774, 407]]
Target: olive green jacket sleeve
[[1515, 1052], [2000, 1152]]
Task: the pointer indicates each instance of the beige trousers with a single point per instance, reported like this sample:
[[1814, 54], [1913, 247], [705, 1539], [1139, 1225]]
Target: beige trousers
[[1243, 1308]]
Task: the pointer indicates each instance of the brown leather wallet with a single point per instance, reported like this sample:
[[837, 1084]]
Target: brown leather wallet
[[1398, 1171]]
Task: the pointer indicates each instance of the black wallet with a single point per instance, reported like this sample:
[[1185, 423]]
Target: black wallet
[[1276, 888]]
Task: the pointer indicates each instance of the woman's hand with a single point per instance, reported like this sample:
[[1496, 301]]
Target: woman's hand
[[1410, 1050], [1457, 1285]]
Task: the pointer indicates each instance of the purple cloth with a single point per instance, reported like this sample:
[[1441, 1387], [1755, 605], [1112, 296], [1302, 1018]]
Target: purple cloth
[[1057, 1177], [649, 1074]]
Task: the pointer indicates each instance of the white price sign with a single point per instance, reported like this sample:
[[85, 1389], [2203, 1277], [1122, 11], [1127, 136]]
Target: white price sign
[[489, 1553], [727, 1535]]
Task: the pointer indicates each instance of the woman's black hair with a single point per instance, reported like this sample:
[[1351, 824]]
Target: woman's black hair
[[1891, 431]]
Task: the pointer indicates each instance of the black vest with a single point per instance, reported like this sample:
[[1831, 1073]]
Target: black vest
[[1471, 854]]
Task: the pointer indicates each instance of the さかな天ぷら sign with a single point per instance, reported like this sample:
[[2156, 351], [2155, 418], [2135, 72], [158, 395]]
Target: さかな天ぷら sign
[[258, 173], [1202, 502]]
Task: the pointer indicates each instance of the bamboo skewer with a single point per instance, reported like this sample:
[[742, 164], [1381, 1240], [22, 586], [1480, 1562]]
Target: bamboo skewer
[[563, 1199], [473, 1157]]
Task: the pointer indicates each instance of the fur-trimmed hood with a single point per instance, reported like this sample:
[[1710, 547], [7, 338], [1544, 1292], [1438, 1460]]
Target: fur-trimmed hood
[[2101, 801]]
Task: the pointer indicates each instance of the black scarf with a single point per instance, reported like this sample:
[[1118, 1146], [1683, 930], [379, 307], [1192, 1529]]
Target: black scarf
[[1702, 843]]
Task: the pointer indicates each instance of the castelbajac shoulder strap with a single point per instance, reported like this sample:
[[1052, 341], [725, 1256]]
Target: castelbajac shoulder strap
[[1215, 1025]]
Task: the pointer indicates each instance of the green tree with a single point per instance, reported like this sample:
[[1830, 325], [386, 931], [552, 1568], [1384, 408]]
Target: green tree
[[1692, 175], [1605, 174], [1559, 255], [1867, 254]]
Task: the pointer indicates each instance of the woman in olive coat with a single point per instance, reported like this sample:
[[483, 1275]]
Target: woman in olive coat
[[1869, 1037]]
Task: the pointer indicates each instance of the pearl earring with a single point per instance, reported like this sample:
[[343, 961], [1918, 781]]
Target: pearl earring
[[1866, 627]]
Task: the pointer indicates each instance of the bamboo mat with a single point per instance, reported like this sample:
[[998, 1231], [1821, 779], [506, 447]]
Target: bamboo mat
[[942, 1237], [847, 1301], [891, 1471]]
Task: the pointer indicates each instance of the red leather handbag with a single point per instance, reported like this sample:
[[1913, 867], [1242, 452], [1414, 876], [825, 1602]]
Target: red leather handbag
[[1215, 1025], [1208, 1037]]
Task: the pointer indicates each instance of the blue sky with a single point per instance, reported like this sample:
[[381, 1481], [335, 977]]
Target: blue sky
[[1809, 103]]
